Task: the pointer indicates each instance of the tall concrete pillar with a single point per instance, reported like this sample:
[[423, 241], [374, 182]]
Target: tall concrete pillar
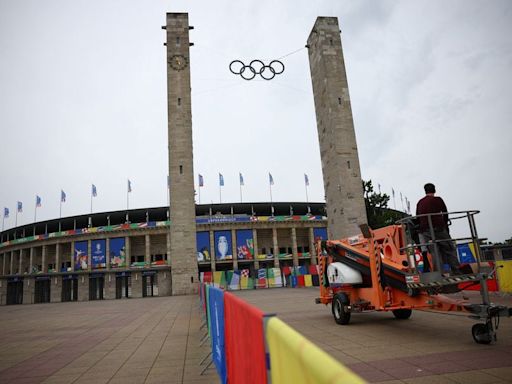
[[181, 171], [3, 264], [338, 149], [89, 255]]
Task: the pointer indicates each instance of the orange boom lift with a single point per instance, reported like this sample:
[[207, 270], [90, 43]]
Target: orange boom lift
[[377, 271]]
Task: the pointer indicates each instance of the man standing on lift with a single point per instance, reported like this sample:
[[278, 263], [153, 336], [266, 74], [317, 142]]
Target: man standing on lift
[[431, 204]]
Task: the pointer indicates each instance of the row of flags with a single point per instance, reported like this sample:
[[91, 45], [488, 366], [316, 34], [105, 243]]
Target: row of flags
[[63, 197], [241, 179]]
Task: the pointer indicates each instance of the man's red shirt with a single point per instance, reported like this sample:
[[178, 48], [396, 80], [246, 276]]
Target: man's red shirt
[[432, 204]]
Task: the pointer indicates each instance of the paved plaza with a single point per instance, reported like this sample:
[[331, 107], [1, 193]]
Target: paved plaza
[[157, 340]]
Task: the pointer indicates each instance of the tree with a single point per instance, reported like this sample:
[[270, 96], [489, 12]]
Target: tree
[[377, 211]]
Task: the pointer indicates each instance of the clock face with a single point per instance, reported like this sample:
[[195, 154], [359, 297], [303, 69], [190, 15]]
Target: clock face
[[178, 62]]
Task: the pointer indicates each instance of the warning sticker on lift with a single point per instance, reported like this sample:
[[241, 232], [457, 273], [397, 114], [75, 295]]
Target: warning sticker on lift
[[412, 279]]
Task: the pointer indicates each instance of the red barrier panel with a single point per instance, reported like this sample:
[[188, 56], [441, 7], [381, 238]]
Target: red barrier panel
[[244, 341], [300, 281]]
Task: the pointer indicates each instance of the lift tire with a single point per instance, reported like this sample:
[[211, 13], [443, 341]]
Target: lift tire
[[402, 314], [481, 333], [341, 308]]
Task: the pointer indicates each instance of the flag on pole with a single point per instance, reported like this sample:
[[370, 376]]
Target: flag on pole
[[62, 196], [129, 185], [221, 180], [38, 201], [201, 181], [306, 180], [94, 192], [241, 179], [20, 206], [270, 179], [6, 212]]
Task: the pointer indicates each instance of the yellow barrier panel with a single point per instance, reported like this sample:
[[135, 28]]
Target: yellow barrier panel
[[296, 360], [504, 276], [308, 281]]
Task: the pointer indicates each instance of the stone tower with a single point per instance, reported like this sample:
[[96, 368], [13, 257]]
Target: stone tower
[[338, 148], [183, 257]]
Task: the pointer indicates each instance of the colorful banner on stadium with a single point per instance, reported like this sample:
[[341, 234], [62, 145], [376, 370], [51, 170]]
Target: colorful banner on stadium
[[98, 254], [244, 244], [223, 248], [233, 278], [244, 341], [203, 246], [320, 233], [118, 252], [80, 255], [216, 304], [295, 359]]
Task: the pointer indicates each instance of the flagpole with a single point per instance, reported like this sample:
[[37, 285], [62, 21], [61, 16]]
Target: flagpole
[[16, 217], [240, 192], [220, 194], [3, 219], [307, 198], [270, 187], [199, 194], [35, 211], [60, 208], [91, 200]]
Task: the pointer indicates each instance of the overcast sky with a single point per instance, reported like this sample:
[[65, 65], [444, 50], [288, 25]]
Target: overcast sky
[[83, 100]]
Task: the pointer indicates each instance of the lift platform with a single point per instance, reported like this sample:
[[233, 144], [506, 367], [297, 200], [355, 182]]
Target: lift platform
[[378, 271]]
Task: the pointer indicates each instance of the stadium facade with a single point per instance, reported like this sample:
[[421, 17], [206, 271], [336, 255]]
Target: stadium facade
[[115, 255]]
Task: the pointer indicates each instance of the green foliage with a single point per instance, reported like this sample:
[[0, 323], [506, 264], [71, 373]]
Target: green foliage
[[377, 211]]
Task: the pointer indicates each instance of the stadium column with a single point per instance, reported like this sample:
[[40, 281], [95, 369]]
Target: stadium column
[[71, 256], [107, 253], [234, 249], [3, 264], [89, 255], [20, 267], [212, 251], [256, 249], [128, 251], [168, 238], [294, 247], [276, 247], [11, 264], [312, 251], [44, 263], [57, 257], [338, 149], [181, 170], [147, 250], [31, 260]]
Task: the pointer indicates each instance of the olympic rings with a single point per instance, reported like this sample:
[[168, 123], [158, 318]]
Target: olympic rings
[[256, 67]]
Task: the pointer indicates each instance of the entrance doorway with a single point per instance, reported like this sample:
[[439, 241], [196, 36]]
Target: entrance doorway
[[123, 285], [149, 284], [42, 290], [15, 291], [69, 288], [96, 285]]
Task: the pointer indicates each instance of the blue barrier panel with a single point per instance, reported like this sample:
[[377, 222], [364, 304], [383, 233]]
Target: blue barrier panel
[[216, 304]]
